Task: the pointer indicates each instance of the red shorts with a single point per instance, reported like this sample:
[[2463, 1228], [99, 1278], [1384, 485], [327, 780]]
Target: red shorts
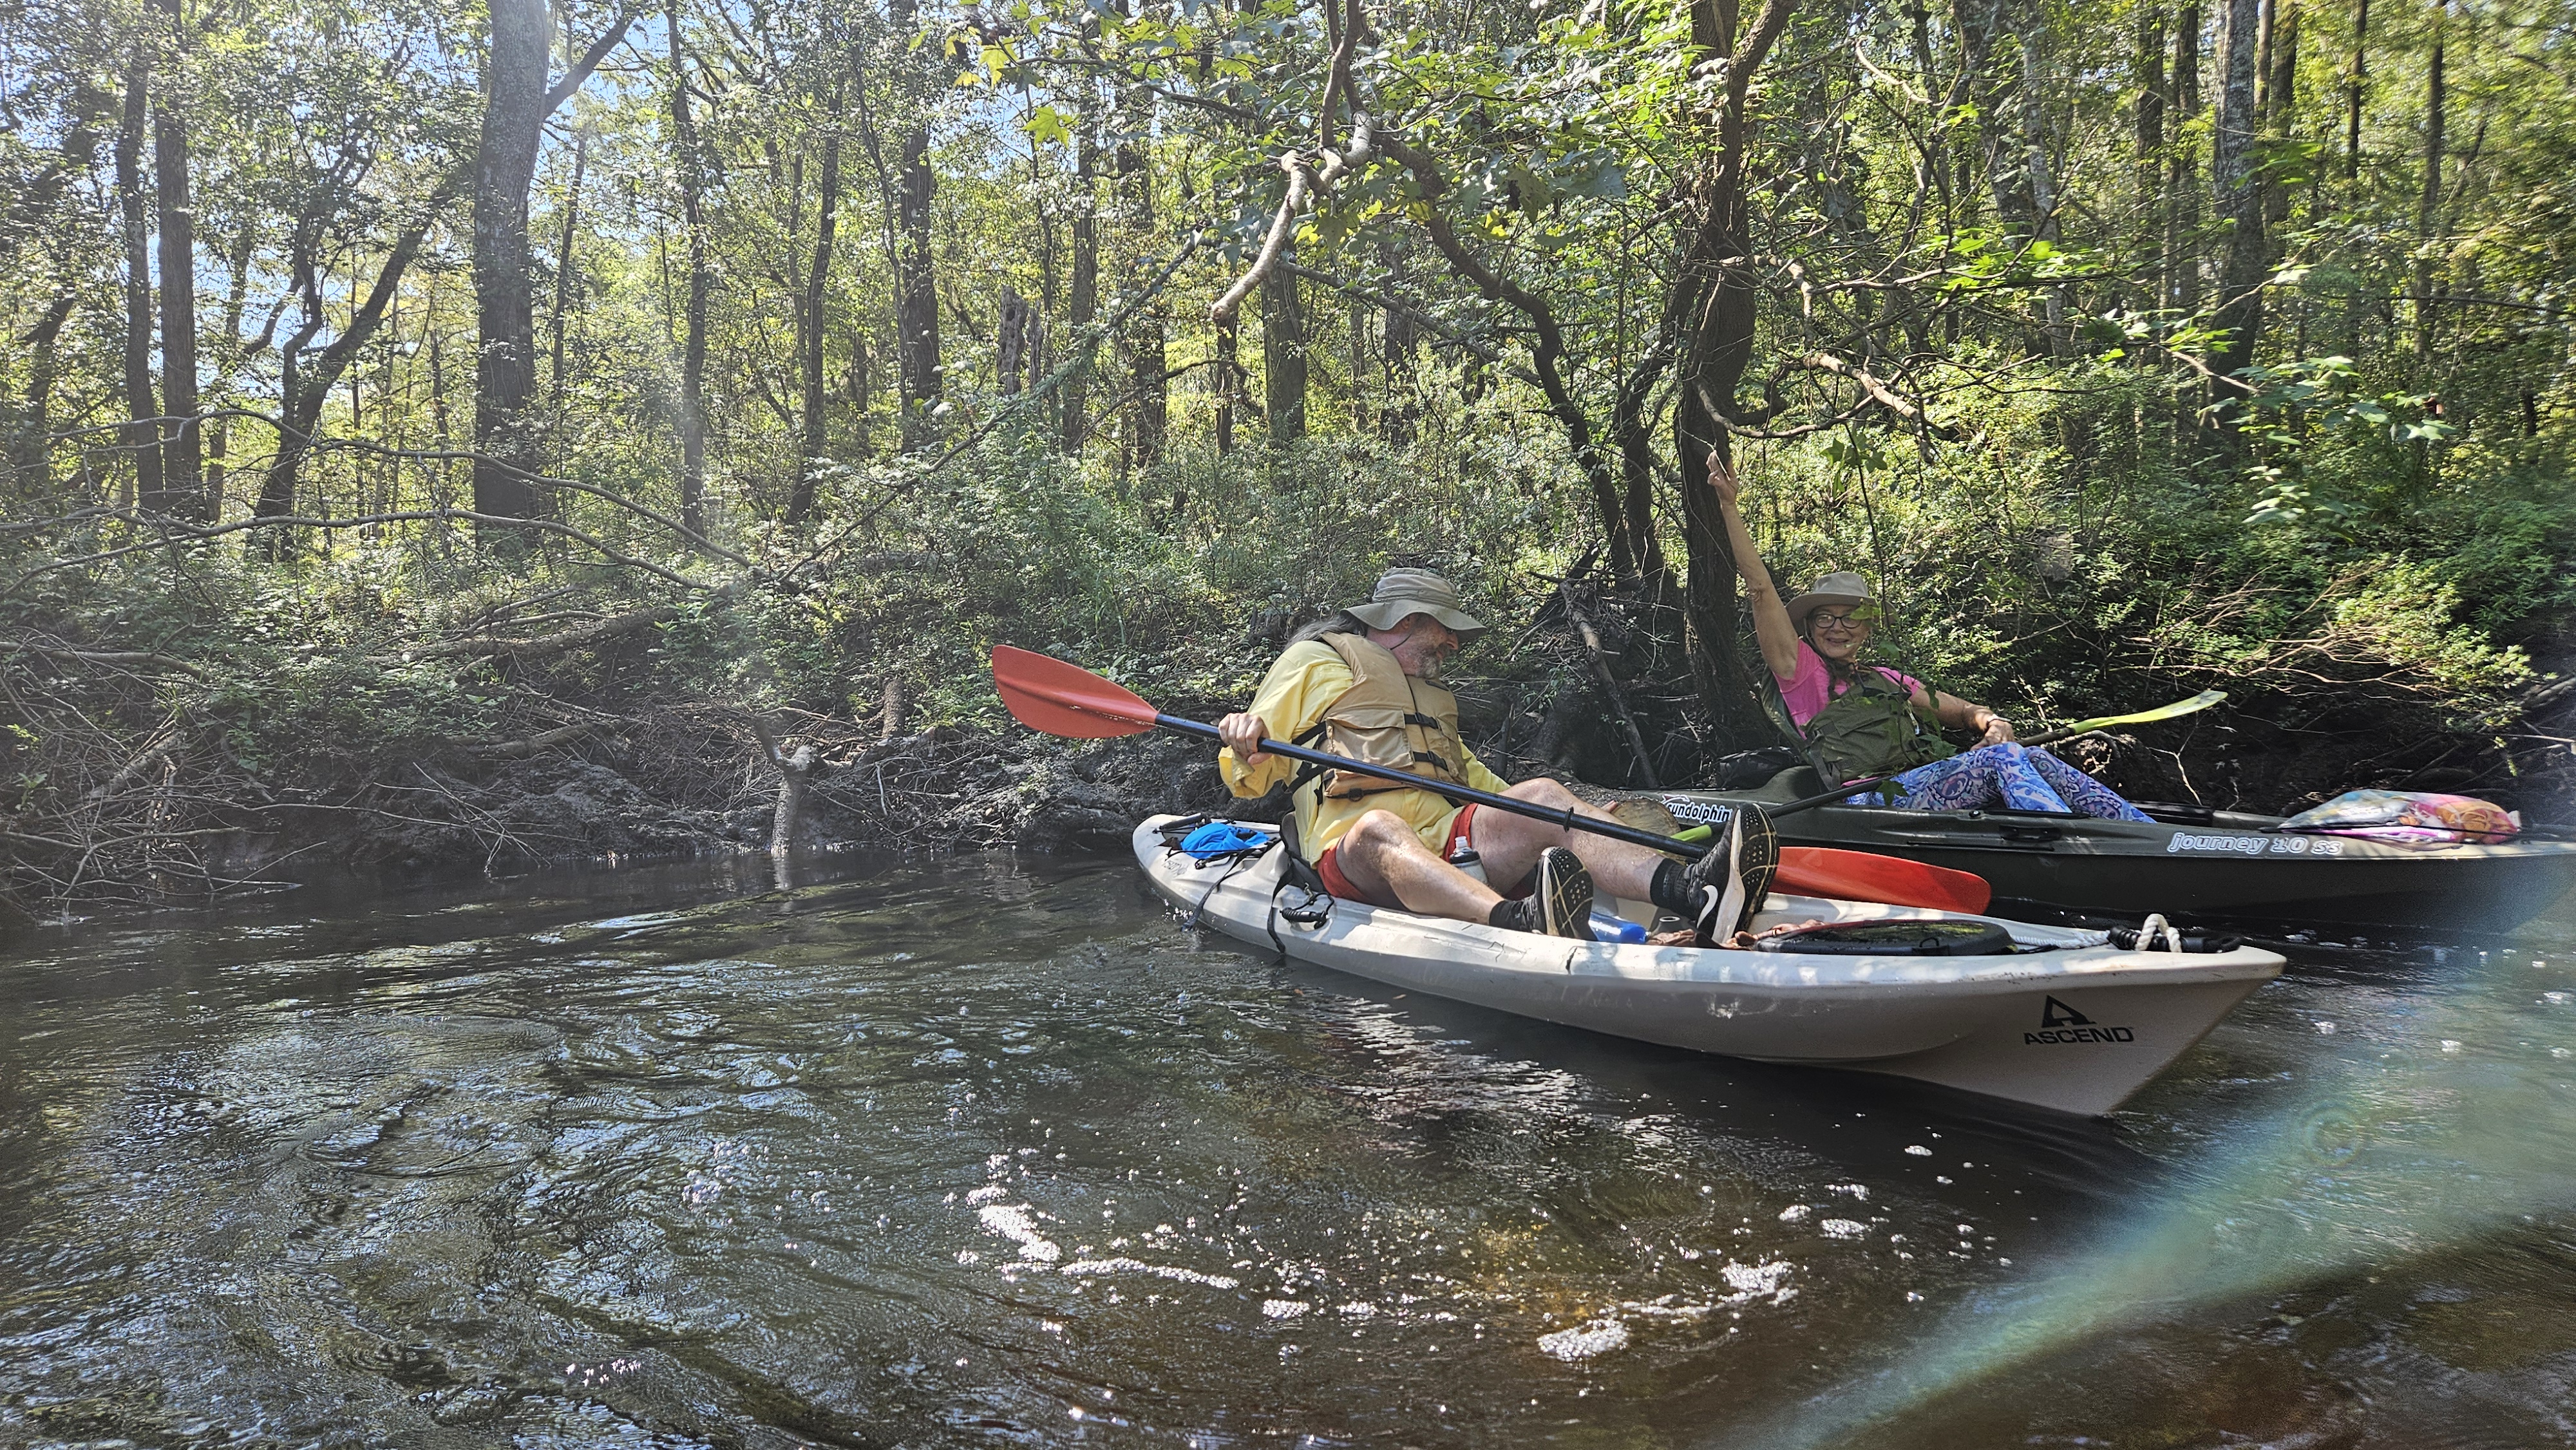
[[1460, 826]]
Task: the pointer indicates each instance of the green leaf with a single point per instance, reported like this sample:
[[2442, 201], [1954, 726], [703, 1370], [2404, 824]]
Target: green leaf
[[1049, 126]]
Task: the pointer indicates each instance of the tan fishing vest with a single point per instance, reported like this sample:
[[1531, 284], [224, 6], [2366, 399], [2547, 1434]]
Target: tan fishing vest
[[1388, 717]]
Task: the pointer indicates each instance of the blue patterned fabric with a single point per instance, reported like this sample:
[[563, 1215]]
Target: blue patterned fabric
[[2008, 776]]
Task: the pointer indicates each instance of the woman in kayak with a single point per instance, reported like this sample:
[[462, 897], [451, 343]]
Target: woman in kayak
[[1860, 720]]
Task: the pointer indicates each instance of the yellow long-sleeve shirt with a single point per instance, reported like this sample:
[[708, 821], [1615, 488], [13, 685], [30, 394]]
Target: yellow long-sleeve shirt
[[1300, 687]]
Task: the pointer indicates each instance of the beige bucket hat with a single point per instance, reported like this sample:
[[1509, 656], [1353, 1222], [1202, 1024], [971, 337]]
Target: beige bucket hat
[[1403, 593], [1835, 588]]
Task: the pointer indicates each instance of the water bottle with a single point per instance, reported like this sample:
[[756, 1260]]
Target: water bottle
[[1606, 927]]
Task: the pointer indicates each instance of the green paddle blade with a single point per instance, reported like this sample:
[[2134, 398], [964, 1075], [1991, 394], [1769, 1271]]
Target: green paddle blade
[[2201, 701]]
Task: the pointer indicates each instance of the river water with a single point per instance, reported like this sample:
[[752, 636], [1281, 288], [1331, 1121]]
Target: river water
[[983, 1151]]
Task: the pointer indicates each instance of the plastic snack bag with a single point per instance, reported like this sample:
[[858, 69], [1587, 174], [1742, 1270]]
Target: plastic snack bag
[[2410, 817]]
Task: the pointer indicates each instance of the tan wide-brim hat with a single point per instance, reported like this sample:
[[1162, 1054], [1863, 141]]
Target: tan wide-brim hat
[[1836, 588], [1404, 593]]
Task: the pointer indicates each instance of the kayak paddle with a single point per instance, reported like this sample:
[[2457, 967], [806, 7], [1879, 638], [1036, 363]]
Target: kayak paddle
[[1047, 694], [2201, 701], [1859, 876]]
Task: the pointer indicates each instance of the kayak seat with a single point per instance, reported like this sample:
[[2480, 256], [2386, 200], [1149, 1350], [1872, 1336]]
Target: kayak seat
[[2176, 813]]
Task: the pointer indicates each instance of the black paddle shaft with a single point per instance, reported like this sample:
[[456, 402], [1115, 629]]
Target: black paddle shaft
[[1566, 817], [2048, 737]]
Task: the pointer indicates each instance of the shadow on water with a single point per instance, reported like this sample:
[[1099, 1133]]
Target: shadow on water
[[980, 1149]]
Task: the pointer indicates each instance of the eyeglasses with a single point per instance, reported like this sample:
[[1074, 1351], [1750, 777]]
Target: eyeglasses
[[1854, 619]]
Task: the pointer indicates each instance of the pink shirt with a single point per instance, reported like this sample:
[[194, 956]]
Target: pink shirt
[[1812, 689]]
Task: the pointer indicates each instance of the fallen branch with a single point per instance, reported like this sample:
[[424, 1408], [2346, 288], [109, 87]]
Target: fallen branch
[[1596, 657], [171, 530], [551, 644], [543, 740], [108, 657]]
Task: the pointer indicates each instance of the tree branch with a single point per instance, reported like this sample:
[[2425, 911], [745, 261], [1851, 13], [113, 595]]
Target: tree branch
[[1879, 393], [561, 91], [552, 644]]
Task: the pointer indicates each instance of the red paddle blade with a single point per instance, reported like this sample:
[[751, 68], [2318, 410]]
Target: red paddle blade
[[1859, 876], [1061, 699]]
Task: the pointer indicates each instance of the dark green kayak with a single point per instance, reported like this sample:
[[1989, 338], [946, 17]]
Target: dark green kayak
[[2212, 865]]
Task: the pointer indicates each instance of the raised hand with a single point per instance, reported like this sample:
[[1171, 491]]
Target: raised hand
[[1722, 478]]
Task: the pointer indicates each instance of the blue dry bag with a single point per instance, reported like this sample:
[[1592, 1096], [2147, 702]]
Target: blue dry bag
[[1218, 839]]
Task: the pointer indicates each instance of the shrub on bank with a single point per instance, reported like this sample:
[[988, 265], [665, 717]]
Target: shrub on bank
[[186, 709]]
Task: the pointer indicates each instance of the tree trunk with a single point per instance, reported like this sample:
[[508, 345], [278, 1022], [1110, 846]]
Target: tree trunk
[[1011, 348], [1229, 367], [890, 718], [30, 444], [565, 267], [2182, 188], [228, 357], [2280, 103], [1400, 414], [1714, 297], [693, 347], [863, 391], [1083, 302], [438, 420], [1283, 352], [505, 163], [2037, 179], [142, 435], [2428, 203], [2150, 143], [1936, 146], [303, 391], [916, 283], [182, 467], [813, 324], [1628, 425], [517, 101], [795, 770], [1142, 343], [2236, 198], [30, 426], [2355, 83], [1979, 24]]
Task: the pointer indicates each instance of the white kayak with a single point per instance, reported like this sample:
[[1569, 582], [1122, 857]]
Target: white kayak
[[2065, 1021]]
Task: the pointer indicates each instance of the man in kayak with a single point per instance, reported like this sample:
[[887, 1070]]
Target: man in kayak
[[1860, 721], [1362, 682]]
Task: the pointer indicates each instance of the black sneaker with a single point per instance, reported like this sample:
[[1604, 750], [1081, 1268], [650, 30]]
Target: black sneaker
[[1730, 882], [1560, 900]]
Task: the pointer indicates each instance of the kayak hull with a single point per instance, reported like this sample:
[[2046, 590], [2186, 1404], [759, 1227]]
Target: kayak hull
[[2076, 1029], [2236, 867]]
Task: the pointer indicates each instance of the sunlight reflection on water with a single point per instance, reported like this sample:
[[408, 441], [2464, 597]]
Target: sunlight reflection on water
[[2428, 1128], [972, 1149]]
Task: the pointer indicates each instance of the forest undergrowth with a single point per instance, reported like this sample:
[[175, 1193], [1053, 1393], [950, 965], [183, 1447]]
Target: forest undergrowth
[[441, 439], [193, 717]]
